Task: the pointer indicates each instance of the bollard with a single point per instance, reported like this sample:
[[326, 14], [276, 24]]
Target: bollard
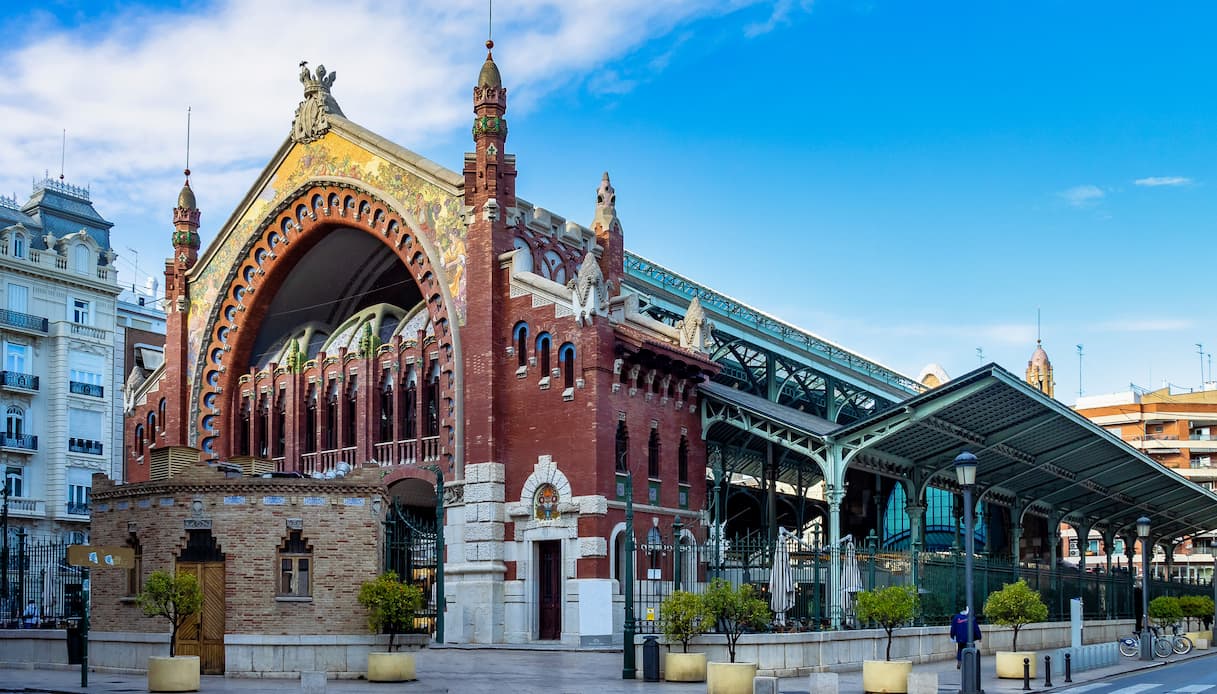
[[1026, 674], [650, 659], [1047, 671], [1068, 669], [765, 685]]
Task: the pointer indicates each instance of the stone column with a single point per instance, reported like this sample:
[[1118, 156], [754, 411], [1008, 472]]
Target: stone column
[[474, 569]]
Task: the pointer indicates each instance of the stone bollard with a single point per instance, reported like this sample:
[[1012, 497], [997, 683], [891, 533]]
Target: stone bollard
[[765, 685], [823, 683], [1200, 644], [923, 683], [312, 682]]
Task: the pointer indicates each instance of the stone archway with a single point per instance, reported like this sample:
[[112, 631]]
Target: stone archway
[[284, 236]]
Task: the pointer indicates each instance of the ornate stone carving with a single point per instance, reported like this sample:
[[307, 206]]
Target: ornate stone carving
[[695, 327], [312, 115], [590, 292]]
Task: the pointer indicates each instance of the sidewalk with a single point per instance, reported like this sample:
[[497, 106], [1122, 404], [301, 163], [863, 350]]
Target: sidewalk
[[505, 671]]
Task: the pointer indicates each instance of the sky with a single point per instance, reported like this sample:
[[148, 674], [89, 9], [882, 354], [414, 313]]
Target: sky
[[912, 181]]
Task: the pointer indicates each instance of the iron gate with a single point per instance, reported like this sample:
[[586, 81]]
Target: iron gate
[[412, 551]]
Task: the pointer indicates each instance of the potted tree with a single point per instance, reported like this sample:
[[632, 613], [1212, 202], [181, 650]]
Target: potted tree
[[1015, 605], [391, 605], [889, 608], [734, 611], [1198, 607], [683, 617], [177, 598]]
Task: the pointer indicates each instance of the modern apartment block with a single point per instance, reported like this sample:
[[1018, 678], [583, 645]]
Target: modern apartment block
[[139, 348], [57, 329], [1179, 430]]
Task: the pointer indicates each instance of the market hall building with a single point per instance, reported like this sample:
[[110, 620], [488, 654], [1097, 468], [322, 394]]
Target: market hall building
[[365, 311]]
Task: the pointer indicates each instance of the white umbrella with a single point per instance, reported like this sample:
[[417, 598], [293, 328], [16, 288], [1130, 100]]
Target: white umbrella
[[48, 593], [781, 582], [851, 580]]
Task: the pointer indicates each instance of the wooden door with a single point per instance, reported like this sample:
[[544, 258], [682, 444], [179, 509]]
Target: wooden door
[[549, 589], [203, 634]]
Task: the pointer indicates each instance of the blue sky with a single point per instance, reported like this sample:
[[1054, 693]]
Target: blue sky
[[909, 180]]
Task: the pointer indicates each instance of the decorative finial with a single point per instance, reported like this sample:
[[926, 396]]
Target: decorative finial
[[187, 169], [63, 150], [312, 115]]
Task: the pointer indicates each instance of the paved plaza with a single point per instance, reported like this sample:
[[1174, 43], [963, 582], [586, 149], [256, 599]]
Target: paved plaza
[[503, 670]]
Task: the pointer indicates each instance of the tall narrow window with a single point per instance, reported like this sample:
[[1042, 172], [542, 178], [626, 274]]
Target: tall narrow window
[[14, 480], [80, 487], [281, 424], [243, 434], [566, 358], [653, 455], [682, 460], [432, 403], [384, 431], [18, 298], [262, 426], [352, 401], [330, 437], [138, 443], [161, 412], [82, 257], [543, 343], [80, 312], [295, 567], [152, 426], [18, 246], [310, 421], [135, 573], [410, 405], [15, 357], [521, 336], [623, 447], [14, 422]]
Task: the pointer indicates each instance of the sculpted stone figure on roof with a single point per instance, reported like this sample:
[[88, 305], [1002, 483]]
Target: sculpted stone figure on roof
[[695, 327], [590, 292], [311, 121]]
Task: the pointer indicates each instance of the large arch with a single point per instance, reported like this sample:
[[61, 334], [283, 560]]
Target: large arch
[[282, 239]]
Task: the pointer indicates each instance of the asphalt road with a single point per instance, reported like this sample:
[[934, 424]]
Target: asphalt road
[[1191, 676]]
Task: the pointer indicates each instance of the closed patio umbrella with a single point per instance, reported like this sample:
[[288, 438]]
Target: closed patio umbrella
[[851, 581], [781, 582]]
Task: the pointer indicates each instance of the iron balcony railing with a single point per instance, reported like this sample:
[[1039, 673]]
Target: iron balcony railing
[[80, 388], [22, 441], [16, 379], [79, 508], [84, 446], [23, 320]]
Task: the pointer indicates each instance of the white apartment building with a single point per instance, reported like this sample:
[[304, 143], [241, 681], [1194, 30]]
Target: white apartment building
[[57, 340]]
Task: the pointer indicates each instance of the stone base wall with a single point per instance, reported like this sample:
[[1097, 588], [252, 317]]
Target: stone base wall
[[125, 651], [340, 656], [798, 654], [20, 648]]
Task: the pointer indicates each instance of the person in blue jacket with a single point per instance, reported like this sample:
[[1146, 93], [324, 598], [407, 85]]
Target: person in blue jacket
[[959, 634]]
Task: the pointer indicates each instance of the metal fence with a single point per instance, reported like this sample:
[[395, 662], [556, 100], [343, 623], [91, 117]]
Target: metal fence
[[663, 565], [38, 589]]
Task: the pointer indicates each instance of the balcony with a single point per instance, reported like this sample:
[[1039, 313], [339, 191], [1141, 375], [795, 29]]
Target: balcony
[[18, 506], [20, 443], [85, 446], [77, 508], [23, 321], [89, 389], [16, 380]]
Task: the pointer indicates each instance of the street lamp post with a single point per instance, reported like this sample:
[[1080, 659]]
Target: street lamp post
[[965, 474], [628, 669], [1147, 639]]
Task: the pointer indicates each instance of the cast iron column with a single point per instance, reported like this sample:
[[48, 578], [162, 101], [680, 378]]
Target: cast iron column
[[628, 670]]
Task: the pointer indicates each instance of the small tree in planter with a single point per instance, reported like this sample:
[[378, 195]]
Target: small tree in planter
[[734, 610], [889, 608], [176, 597], [1015, 605], [682, 617], [1165, 610], [391, 605], [1196, 607]]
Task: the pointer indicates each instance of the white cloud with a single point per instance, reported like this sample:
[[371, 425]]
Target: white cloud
[[1155, 181], [1082, 196], [778, 16]]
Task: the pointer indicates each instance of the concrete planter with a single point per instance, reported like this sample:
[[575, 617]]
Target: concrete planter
[[886, 676], [391, 667], [730, 678], [1010, 664], [179, 673], [685, 667]]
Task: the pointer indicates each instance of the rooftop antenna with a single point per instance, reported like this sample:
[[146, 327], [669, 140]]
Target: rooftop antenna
[[490, 21], [1037, 325], [63, 151], [1200, 351], [1080, 370], [980, 355]]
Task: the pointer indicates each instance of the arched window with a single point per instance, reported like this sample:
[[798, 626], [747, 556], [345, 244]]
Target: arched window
[[14, 422], [385, 431], [682, 460], [152, 426], [523, 259], [18, 245], [552, 267], [653, 455], [161, 412], [543, 344], [409, 406], [138, 443], [623, 447], [243, 433], [520, 335], [81, 257], [566, 358], [262, 433], [310, 420], [352, 402], [330, 436]]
